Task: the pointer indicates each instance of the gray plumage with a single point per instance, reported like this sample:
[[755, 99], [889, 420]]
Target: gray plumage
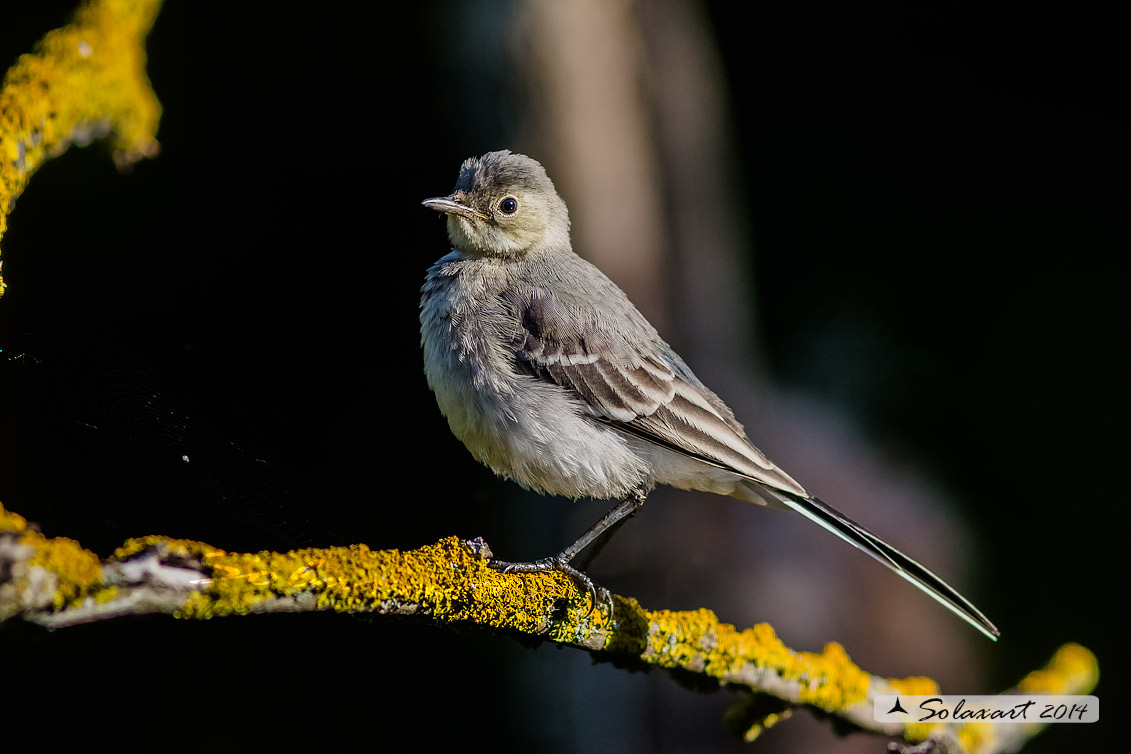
[[551, 377]]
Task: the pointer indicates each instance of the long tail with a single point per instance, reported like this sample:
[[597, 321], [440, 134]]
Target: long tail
[[828, 517]]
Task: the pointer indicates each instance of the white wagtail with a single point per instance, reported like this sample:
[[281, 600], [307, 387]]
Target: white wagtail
[[551, 377]]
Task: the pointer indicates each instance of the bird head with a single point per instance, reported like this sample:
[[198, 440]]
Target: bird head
[[504, 206]]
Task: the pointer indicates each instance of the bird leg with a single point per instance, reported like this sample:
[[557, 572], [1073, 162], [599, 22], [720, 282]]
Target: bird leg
[[600, 532]]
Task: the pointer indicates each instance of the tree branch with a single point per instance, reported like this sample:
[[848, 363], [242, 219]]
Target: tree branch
[[54, 582], [84, 81]]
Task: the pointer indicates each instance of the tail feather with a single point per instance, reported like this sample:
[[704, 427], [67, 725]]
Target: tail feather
[[833, 520]]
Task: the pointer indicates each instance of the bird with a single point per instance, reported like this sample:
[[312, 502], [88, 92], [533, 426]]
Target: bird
[[552, 378]]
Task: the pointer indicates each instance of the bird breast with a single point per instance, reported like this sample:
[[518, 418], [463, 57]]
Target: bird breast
[[520, 426]]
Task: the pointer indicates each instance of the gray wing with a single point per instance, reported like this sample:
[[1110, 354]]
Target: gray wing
[[628, 377]]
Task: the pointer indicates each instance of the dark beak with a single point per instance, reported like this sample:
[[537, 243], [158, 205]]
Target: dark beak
[[449, 205]]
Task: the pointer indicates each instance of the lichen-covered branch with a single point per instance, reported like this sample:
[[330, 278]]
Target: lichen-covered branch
[[82, 82], [54, 582]]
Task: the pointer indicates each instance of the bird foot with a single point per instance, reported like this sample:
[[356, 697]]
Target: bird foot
[[559, 563]]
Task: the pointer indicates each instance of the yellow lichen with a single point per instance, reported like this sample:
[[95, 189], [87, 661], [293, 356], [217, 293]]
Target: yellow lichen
[[1072, 670], [767, 722], [834, 682], [445, 579], [682, 639], [11, 522], [76, 572], [84, 81], [185, 548], [697, 641], [914, 686], [975, 737], [451, 581]]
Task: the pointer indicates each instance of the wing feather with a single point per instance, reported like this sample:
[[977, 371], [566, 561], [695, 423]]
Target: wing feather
[[643, 388], [640, 387]]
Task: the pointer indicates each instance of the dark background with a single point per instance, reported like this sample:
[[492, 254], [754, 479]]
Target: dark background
[[937, 197]]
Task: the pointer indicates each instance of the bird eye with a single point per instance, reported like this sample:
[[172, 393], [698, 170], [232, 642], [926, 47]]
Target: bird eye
[[508, 206]]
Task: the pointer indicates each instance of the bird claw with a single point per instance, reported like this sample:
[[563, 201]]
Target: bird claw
[[558, 563]]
